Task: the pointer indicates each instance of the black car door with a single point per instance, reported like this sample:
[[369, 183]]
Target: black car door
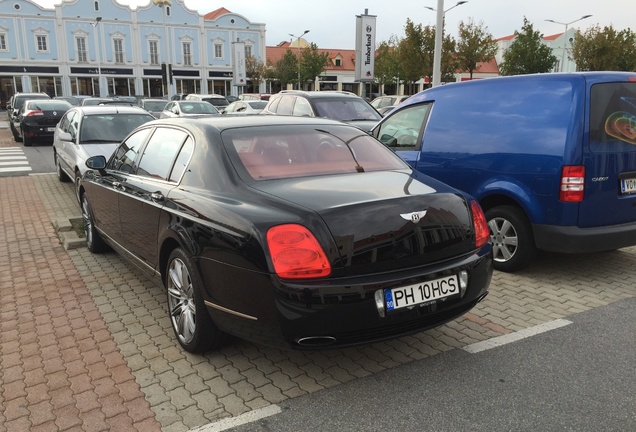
[[144, 194]]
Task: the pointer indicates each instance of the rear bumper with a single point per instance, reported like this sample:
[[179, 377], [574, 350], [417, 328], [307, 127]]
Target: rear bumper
[[571, 239], [343, 312]]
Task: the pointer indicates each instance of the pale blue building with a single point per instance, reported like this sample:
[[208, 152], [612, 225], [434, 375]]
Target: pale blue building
[[100, 47]]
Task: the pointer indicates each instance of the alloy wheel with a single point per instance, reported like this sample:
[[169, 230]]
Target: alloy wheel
[[504, 239], [181, 301]]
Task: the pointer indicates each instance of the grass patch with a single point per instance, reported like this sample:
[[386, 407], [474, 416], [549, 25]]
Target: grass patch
[[78, 226]]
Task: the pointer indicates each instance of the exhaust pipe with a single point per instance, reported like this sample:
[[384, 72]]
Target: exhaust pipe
[[316, 341]]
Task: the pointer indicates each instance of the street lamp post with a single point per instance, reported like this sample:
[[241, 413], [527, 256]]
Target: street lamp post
[[439, 34], [298, 46], [565, 36], [97, 56], [162, 4]]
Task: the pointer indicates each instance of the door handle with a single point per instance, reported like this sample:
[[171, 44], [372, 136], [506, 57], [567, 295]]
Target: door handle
[[157, 196]]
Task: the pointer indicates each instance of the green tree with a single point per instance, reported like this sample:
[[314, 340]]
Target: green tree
[[285, 70], [475, 45], [606, 49], [449, 63], [312, 63], [388, 69], [527, 54], [411, 55], [256, 71]]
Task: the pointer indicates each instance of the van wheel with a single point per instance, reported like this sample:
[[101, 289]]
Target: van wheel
[[511, 236], [189, 316]]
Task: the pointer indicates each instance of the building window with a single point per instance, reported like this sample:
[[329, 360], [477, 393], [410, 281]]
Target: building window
[[248, 51], [96, 6], [167, 10], [338, 62], [118, 45], [3, 42], [218, 51], [153, 48], [187, 53], [81, 49], [42, 43]]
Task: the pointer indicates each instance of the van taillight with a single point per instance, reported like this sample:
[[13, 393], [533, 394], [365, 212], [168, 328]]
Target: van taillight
[[296, 253], [572, 183], [482, 233]]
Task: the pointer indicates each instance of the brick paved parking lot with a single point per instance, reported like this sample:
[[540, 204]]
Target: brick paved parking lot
[[86, 344]]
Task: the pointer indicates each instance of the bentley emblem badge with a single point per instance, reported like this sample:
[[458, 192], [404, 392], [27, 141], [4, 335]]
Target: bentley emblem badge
[[413, 217], [54, 112]]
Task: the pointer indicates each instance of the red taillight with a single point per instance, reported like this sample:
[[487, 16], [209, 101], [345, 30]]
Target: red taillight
[[482, 233], [32, 113], [572, 183], [296, 253]]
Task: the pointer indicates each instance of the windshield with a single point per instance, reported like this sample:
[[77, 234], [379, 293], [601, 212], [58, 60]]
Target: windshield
[[154, 105], [276, 152], [349, 109], [198, 108], [110, 128]]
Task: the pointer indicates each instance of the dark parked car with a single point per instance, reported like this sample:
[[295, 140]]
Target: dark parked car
[[37, 119], [296, 232], [13, 107], [337, 105]]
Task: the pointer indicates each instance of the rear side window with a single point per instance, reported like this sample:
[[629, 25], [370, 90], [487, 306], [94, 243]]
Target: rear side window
[[613, 117], [402, 130], [160, 153], [285, 105]]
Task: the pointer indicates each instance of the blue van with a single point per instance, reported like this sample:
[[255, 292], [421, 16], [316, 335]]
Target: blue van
[[550, 157]]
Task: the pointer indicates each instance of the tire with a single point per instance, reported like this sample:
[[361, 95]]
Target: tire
[[28, 141], [61, 175], [512, 239], [14, 131], [94, 241], [76, 184], [189, 316]]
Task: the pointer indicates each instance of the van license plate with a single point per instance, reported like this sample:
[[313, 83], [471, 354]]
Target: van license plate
[[424, 292], [628, 185]]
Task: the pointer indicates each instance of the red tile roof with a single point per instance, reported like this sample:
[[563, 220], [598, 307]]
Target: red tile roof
[[211, 16], [552, 37]]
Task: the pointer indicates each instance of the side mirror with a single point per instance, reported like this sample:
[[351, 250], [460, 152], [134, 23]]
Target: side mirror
[[388, 140], [96, 163], [65, 136]]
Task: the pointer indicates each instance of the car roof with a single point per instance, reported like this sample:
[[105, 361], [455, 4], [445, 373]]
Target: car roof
[[110, 109], [222, 123], [322, 94]]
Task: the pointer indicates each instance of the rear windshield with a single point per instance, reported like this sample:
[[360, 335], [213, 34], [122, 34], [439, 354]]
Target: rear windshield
[[110, 128], [217, 101], [613, 117], [48, 105], [303, 150]]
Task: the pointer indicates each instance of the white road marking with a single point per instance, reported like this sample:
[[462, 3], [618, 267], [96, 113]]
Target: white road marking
[[232, 422], [11, 157], [516, 336]]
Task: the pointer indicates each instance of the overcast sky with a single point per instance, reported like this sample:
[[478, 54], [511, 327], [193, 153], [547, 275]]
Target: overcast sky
[[332, 22]]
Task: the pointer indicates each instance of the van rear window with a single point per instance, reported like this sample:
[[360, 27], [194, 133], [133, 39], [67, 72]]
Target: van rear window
[[613, 117]]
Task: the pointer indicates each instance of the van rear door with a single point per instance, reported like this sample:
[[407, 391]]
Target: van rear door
[[610, 156]]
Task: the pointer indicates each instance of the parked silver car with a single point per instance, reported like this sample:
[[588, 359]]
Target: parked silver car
[[188, 108], [91, 130]]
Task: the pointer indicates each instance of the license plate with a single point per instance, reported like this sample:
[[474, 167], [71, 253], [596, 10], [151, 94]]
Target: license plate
[[52, 129], [628, 185], [424, 292]]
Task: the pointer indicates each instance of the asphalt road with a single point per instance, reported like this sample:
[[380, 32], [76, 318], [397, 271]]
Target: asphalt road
[[580, 377]]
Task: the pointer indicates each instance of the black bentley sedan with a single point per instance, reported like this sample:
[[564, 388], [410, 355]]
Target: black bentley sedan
[[297, 232]]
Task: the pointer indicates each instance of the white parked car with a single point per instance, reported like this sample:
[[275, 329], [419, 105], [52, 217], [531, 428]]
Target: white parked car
[[87, 131], [245, 107]]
